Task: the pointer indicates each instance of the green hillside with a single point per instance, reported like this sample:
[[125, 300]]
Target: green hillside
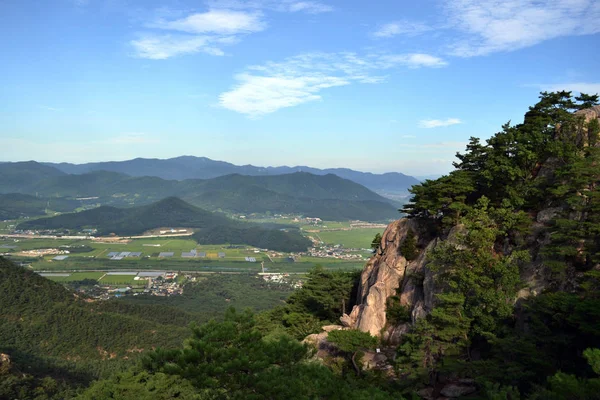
[[16, 205], [328, 196], [173, 212]]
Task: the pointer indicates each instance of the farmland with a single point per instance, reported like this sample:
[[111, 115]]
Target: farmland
[[352, 238], [93, 255]]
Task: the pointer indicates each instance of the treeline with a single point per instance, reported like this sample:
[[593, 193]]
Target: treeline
[[275, 239]]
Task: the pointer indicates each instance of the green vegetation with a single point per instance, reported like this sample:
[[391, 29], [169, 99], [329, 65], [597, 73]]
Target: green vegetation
[[210, 297], [324, 297], [408, 247], [376, 242], [15, 205], [355, 238], [485, 209], [172, 212], [233, 360], [323, 196]]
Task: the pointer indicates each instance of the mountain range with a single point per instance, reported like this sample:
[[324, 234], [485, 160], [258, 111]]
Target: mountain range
[[325, 196], [190, 167]]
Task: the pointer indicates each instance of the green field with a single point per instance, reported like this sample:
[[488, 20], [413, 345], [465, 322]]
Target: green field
[[234, 261], [121, 280], [77, 276], [353, 238]]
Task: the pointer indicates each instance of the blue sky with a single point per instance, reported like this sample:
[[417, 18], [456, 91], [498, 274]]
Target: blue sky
[[377, 86]]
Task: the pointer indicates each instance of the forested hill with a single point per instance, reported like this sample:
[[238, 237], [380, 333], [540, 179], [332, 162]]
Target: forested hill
[[328, 197], [189, 167], [16, 205], [496, 284], [46, 330], [173, 212]]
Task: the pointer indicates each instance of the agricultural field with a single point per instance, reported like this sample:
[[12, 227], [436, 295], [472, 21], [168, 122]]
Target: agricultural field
[[88, 255], [77, 276], [360, 238]]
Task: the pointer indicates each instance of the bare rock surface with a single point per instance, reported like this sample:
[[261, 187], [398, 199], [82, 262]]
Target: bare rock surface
[[387, 274]]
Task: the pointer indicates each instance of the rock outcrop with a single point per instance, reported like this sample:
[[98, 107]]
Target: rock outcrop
[[389, 273]]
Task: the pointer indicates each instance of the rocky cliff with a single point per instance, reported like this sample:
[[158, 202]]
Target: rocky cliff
[[388, 273]]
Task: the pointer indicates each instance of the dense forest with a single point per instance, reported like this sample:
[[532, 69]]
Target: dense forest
[[15, 205], [211, 228]]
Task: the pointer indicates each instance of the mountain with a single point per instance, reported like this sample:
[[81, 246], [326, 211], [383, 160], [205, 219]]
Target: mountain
[[16, 205], [49, 331], [326, 196], [190, 167], [173, 212], [19, 177]]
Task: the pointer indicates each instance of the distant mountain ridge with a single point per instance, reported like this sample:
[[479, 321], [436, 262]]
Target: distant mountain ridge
[[191, 167], [326, 196]]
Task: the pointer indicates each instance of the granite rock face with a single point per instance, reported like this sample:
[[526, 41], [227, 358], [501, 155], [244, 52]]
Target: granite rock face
[[387, 274]]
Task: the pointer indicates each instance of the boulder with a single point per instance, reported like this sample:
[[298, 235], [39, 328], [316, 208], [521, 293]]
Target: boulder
[[329, 328], [374, 360]]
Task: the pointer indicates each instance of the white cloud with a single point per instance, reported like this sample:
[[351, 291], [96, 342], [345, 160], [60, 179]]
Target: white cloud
[[406, 28], [160, 47], [258, 95], [199, 32], [492, 26], [436, 123], [581, 87], [415, 60], [263, 89], [222, 22], [311, 7]]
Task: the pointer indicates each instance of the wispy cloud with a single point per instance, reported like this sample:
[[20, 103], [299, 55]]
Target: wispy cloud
[[160, 47], [437, 123], [263, 89], [309, 7], [221, 22], [199, 32], [481, 27], [581, 87], [491, 26], [406, 28], [414, 60]]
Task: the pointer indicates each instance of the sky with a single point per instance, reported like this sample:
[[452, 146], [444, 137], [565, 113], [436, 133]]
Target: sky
[[379, 86]]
